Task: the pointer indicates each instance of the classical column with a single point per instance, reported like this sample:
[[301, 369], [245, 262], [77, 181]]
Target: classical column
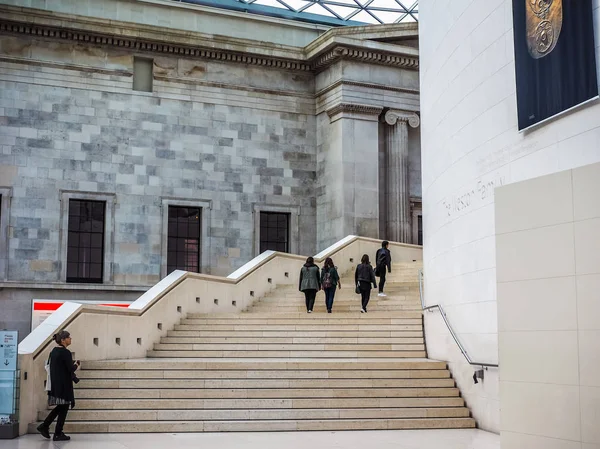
[[398, 223]]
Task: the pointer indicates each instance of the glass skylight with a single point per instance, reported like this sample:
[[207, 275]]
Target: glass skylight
[[367, 11]]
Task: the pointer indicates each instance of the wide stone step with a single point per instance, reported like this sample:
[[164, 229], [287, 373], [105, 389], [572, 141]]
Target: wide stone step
[[286, 354], [286, 347], [266, 403], [297, 334], [260, 364], [248, 320], [263, 425], [265, 375], [253, 415], [291, 340], [260, 393], [299, 327], [304, 316], [100, 383]]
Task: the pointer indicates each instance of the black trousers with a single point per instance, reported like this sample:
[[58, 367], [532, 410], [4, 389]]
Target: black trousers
[[60, 411], [382, 274], [365, 293], [309, 296]]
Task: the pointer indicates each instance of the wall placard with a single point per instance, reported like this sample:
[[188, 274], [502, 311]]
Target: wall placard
[[555, 59]]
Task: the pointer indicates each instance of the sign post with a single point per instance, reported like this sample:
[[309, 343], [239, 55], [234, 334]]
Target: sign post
[[9, 385]]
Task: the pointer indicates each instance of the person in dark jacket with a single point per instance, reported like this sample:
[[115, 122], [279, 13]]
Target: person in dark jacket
[[364, 277], [383, 261], [310, 283], [330, 279], [62, 376]]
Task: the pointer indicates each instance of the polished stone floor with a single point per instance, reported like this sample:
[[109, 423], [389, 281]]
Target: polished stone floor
[[391, 439]]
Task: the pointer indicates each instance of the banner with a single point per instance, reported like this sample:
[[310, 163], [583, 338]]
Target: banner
[[555, 59]]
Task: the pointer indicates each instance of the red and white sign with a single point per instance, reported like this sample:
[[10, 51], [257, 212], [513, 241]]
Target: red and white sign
[[43, 308]]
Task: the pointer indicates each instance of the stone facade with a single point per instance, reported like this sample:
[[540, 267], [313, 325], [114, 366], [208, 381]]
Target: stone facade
[[296, 128]]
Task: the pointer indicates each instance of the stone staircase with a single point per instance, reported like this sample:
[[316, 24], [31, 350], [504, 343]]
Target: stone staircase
[[277, 368]]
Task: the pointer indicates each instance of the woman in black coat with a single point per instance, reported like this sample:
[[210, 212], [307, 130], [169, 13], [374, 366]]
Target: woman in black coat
[[62, 376], [363, 278]]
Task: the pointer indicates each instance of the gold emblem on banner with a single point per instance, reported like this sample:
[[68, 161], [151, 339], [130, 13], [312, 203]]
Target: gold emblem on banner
[[544, 22]]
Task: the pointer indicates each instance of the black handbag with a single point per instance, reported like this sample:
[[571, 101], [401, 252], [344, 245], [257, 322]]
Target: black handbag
[[357, 289]]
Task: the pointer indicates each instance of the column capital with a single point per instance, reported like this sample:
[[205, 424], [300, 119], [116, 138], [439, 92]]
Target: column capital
[[392, 116]]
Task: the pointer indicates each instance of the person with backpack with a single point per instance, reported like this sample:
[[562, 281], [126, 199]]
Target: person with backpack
[[330, 279], [59, 385], [383, 261], [363, 278], [310, 283]]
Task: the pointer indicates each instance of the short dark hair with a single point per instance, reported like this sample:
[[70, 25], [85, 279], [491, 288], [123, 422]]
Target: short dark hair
[[60, 336], [385, 244], [365, 259]]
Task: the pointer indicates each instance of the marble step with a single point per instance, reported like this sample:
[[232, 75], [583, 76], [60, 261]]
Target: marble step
[[286, 354], [293, 322], [296, 308], [265, 414], [260, 364], [264, 375], [300, 327], [303, 315], [263, 425], [265, 403], [265, 393], [291, 340], [100, 383], [296, 334], [170, 346]]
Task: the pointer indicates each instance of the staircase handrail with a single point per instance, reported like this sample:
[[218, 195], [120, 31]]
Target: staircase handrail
[[449, 326]]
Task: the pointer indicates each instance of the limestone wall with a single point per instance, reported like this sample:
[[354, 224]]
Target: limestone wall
[[471, 145]]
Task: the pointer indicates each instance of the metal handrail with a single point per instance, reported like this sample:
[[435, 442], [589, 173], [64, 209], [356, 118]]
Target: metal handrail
[[445, 317]]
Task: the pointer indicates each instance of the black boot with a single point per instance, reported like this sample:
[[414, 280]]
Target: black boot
[[61, 437], [45, 431]]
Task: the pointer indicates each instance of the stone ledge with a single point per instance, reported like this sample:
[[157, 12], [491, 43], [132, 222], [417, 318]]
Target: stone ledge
[[65, 286]]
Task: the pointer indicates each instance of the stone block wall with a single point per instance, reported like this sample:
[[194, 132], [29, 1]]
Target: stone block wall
[[70, 128]]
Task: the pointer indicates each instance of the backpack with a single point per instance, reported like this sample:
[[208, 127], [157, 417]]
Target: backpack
[[326, 282]]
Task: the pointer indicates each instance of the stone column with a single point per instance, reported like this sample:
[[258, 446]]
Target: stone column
[[398, 222]]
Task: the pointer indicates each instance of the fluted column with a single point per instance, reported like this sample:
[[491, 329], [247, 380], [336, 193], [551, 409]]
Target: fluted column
[[398, 220]]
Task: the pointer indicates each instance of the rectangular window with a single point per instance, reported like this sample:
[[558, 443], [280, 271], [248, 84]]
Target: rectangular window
[[420, 230], [143, 74], [85, 242], [183, 246], [275, 231]]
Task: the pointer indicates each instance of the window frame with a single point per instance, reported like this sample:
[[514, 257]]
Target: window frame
[[287, 217], [294, 213], [84, 280], [5, 199], [205, 207], [109, 226], [197, 239]]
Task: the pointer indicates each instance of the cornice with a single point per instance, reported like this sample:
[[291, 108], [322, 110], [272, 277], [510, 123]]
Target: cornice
[[169, 42], [375, 86], [362, 109]]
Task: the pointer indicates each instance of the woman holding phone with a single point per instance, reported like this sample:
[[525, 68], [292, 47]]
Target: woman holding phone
[[60, 392]]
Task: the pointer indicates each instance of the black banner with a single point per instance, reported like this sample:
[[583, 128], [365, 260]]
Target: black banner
[[555, 60]]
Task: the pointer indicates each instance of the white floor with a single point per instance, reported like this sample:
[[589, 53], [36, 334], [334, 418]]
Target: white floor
[[390, 439]]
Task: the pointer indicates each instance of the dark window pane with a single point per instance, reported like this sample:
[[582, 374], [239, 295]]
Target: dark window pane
[[96, 270], [274, 231], [85, 254], [73, 239], [96, 241], [96, 255], [85, 240], [183, 244]]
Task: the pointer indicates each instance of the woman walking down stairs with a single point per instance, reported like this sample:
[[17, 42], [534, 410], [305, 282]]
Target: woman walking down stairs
[[275, 367]]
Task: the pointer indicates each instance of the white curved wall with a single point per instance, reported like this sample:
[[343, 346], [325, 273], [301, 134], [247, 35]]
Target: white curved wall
[[470, 144]]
